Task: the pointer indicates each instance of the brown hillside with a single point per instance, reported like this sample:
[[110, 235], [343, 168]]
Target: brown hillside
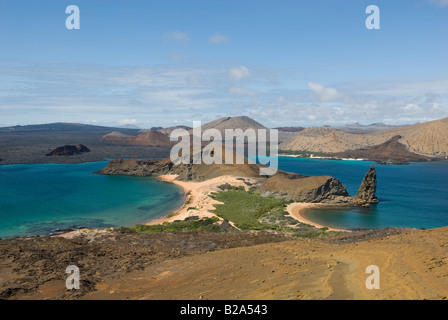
[[168, 131], [115, 136], [242, 123], [412, 266], [429, 138], [391, 150], [328, 140], [228, 266], [153, 138]]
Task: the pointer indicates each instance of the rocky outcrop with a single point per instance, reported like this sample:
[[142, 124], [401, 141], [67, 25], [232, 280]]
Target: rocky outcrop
[[322, 189], [69, 150], [136, 168], [300, 188], [367, 190]]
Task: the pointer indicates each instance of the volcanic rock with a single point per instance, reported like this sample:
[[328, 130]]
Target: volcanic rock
[[367, 190], [69, 150], [302, 188]]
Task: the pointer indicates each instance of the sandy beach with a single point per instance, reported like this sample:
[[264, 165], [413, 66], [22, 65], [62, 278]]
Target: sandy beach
[[296, 209], [198, 202]]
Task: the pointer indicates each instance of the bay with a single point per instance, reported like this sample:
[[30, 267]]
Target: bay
[[41, 199], [412, 195]]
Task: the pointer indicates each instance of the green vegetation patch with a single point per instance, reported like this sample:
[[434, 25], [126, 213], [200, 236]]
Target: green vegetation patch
[[189, 224], [246, 209], [228, 186]]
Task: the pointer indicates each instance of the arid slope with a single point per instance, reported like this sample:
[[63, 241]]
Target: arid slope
[[429, 138], [411, 266]]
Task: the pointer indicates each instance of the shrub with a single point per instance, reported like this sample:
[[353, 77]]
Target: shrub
[[193, 223]]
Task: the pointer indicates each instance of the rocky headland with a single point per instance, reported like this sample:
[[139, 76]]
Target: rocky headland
[[289, 186]]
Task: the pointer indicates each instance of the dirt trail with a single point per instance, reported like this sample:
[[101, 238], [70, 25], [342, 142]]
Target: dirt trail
[[412, 266]]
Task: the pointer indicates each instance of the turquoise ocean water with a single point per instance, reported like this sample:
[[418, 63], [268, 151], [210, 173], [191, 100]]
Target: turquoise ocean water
[[413, 195], [40, 199]]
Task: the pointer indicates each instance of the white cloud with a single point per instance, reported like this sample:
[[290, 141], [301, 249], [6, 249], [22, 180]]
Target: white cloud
[[218, 38], [30, 94], [242, 91], [439, 3], [324, 94], [281, 100], [407, 88], [193, 80], [239, 73], [177, 57], [177, 36], [126, 122], [411, 107]]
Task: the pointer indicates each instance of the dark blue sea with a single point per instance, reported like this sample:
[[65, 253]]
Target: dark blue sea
[[413, 195]]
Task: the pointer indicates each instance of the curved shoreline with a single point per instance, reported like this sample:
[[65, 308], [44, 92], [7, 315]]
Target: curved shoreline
[[295, 210], [172, 212], [198, 201]]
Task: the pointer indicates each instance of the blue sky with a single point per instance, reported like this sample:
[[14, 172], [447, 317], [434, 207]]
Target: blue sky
[[283, 63]]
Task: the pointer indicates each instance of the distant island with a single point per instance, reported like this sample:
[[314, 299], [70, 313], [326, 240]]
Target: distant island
[[426, 141], [68, 150], [420, 142]]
